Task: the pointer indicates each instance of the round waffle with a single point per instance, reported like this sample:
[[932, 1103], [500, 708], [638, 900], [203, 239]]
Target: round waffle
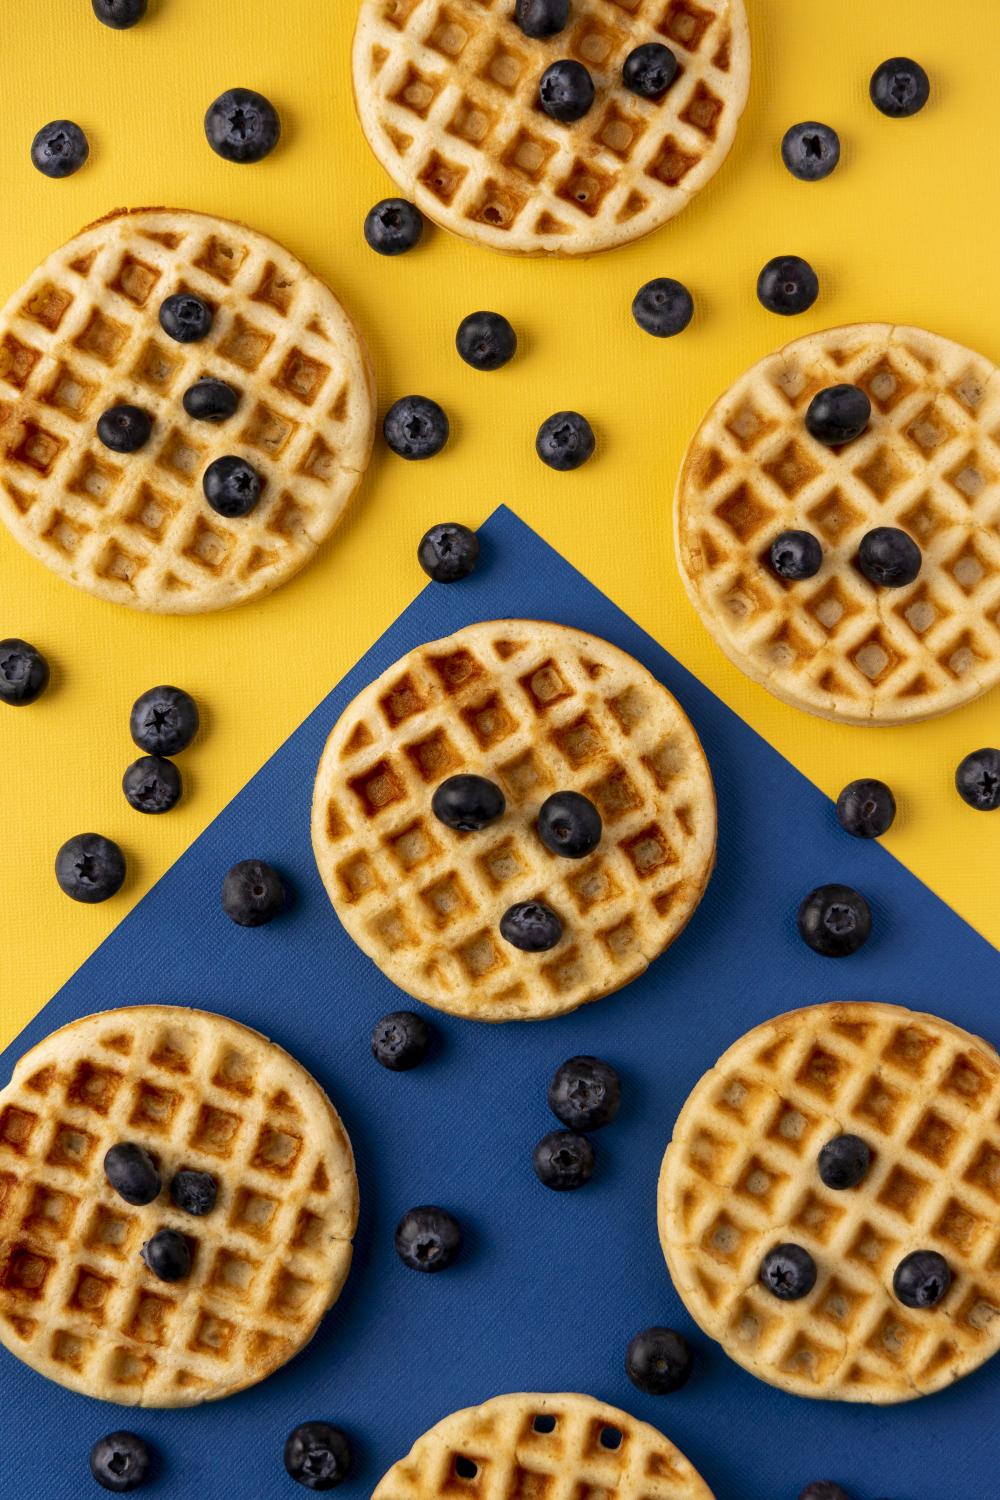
[[83, 334], [447, 94], [560, 1447], [740, 1176], [537, 708], [929, 463], [197, 1090]]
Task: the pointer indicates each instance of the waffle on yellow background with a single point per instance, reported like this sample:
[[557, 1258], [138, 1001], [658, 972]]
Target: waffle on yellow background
[[881, 233]]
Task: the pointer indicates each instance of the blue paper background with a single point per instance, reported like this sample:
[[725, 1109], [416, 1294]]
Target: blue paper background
[[552, 1286]]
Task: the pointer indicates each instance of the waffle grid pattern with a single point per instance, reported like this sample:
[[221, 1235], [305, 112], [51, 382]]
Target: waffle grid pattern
[[740, 1176], [76, 1301], [448, 98], [83, 334], [929, 463], [523, 1447]]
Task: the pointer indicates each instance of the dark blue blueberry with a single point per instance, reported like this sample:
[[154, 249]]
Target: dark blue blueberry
[[241, 125], [866, 808], [649, 70], [787, 285], [844, 1162], [168, 1255], [838, 415], [24, 672], [565, 440], [415, 427], [899, 87], [185, 318], [124, 429], [824, 1489], [231, 486], [541, 18], [164, 720], [658, 1361], [563, 1160], [796, 555], [210, 400], [119, 14], [468, 803], [194, 1192], [400, 1040], [585, 1093], [569, 824], [788, 1272], [448, 552], [59, 149], [121, 1461], [663, 307], [566, 90], [132, 1173], [531, 926], [485, 340], [810, 150], [90, 868], [835, 920], [921, 1279], [887, 556], [393, 226], [318, 1456], [152, 784], [428, 1238], [252, 893], [977, 779]]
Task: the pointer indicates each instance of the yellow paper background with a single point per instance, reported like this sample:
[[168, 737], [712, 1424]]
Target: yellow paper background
[[905, 230]]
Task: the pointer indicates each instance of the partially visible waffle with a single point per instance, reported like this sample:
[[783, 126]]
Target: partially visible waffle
[[82, 334], [929, 464], [740, 1176], [447, 94], [524, 1447], [536, 708], [197, 1090]]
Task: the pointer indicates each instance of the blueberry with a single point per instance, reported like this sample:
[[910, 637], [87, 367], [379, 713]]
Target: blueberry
[[921, 1279], [24, 672], [210, 400], [899, 87], [788, 1272], [838, 414], [563, 1160], [164, 720], [428, 1238], [844, 1162], [977, 779], [530, 926], [649, 70], [787, 285], [132, 1173], [168, 1255], [835, 920], [121, 1461], [393, 226], [663, 307], [566, 90], [318, 1456], [485, 340], [231, 486], [415, 427], [824, 1489], [658, 1361], [569, 824], [810, 150], [185, 318], [90, 868], [796, 555], [119, 14], [152, 784], [448, 552], [241, 125], [565, 440], [541, 18], [866, 808], [889, 557], [59, 149], [400, 1040], [194, 1192], [252, 893], [585, 1093], [467, 803], [124, 429]]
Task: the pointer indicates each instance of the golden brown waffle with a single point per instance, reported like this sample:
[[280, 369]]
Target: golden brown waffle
[[740, 1176], [83, 334], [76, 1301], [447, 95], [929, 463], [536, 708], [524, 1447]]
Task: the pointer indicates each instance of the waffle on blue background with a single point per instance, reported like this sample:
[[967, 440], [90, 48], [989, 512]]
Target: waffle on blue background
[[551, 1286]]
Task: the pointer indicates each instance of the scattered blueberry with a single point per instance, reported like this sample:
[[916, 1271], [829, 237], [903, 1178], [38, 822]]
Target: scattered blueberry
[[824, 1489], [844, 1162], [810, 150], [569, 824], [152, 784], [241, 125], [90, 868], [838, 414], [210, 400], [119, 14], [531, 926], [563, 1160], [663, 307], [194, 1192], [393, 226], [24, 672], [566, 90], [658, 1361], [921, 1279], [565, 440], [168, 1255], [448, 552], [585, 1093], [121, 1461], [124, 429], [787, 285], [59, 149], [866, 808], [252, 893], [788, 1272], [541, 18], [467, 803], [899, 87], [796, 555], [485, 340], [164, 720], [977, 779], [132, 1173], [889, 557], [428, 1238], [649, 70], [231, 486], [415, 427], [835, 920], [185, 318], [318, 1456], [400, 1040]]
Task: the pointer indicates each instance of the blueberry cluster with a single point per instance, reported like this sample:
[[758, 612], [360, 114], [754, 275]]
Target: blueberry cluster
[[135, 1177], [585, 1094]]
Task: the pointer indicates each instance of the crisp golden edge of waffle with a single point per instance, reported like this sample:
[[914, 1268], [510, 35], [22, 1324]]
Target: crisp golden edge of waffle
[[456, 1435], [697, 1113], [64, 1048], [583, 240], [333, 785]]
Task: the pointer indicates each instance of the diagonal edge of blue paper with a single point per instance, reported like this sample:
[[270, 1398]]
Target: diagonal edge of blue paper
[[550, 1286]]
